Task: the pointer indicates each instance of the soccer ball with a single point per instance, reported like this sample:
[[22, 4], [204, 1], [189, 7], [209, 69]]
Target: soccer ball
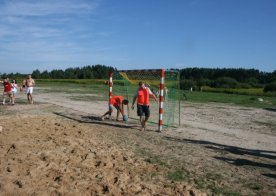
[[125, 118]]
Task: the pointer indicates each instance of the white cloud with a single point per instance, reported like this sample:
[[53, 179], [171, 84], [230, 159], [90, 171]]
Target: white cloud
[[49, 7]]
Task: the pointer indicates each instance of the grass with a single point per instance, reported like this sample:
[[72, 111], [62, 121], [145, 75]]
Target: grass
[[241, 100], [71, 81], [178, 175], [254, 186], [77, 87], [241, 97], [240, 91]]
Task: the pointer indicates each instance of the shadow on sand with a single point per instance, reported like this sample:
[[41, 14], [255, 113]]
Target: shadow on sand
[[237, 151], [270, 109], [94, 120], [227, 148]]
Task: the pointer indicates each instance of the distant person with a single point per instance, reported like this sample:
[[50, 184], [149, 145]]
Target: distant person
[[143, 103], [23, 85], [166, 91], [117, 102], [30, 83], [7, 90], [14, 91], [165, 94], [184, 96]]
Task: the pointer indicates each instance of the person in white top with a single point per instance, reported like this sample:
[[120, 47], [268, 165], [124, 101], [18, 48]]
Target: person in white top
[[14, 91]]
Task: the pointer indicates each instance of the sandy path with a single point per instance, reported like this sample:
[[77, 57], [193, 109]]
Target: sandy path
[[219, 148], [231, 125], [44, 154]]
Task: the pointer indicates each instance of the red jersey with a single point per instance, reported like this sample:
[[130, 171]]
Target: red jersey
[[7, 87], [116, 100], [143, 96]]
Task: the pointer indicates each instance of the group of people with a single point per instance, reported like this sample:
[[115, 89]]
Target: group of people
[[142, 97], [11, 89]]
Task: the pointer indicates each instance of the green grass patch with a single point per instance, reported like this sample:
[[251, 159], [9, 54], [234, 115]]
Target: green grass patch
[[73, 87], [242, 100], [215, 189], [254, 186], [153, 159], [214, 176], [93, 86], [230, 193], [239, 91], [178, 175], [71, 81]]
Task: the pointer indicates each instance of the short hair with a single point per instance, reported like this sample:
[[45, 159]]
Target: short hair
[[125, 101], [140, 83]]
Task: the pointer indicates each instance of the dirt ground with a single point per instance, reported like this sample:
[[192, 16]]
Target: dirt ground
[[58, 146]]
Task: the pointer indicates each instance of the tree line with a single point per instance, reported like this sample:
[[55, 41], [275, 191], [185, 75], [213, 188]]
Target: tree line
[[189, 77], [226, 78], [86, 72]]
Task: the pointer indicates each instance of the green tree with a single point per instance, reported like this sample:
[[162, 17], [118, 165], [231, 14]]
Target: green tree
[[36, 74]]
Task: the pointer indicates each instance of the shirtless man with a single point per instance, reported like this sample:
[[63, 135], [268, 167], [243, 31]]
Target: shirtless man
[[30, 83]]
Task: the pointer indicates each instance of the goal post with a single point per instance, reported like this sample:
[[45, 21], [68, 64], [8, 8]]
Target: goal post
[[163, 83]]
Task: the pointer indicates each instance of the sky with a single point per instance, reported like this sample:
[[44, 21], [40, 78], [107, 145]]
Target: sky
[[137, 34]]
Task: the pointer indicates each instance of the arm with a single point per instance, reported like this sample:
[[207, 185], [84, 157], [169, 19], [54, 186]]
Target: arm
[[154, 97], [133, 101]]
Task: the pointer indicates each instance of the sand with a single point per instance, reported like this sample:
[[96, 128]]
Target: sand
[[58, 146]]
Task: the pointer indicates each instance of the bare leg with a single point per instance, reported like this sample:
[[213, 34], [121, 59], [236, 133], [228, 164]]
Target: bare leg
[[145, 122], [4, 100], [118, 113], [142, 121], [13, 98], [30, 98], [107, 113]]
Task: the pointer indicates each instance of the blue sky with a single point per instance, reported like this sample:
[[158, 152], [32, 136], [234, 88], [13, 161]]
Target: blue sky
[[137, 34]]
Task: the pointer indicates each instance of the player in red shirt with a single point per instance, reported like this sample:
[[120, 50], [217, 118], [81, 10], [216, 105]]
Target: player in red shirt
[[117, 102], [143, 103], [7, 90]]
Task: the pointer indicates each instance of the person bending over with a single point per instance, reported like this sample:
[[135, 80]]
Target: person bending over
[[117, 102]]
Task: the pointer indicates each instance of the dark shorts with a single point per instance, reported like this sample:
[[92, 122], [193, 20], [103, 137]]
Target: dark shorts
[[143, 110]]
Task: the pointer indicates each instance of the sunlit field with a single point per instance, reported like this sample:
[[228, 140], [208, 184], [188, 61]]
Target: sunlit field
[[224, 145]]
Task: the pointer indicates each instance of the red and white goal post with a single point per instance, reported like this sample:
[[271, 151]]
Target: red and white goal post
[[125, 82]]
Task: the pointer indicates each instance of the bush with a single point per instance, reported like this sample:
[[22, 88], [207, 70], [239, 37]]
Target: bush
[[225, 82], [271, 87], [187, 84], [245, 85]]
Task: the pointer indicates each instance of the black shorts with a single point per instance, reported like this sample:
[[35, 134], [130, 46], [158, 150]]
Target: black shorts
[[143, 110]]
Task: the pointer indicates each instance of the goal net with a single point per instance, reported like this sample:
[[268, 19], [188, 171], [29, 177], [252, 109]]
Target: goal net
[[163, 83]]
